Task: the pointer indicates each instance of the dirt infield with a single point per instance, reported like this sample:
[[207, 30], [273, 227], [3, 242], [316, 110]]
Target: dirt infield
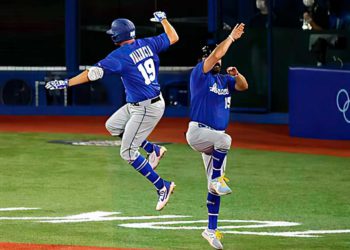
[[249, 136], [25, 246]]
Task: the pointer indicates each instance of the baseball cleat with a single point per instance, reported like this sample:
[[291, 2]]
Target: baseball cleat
[[218, 186], [164, 194], [213, 237], [155, 156]]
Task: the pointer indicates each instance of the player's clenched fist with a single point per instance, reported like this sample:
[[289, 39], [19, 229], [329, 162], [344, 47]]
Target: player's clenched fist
[[57, 84], [232, 71], [158, 16]]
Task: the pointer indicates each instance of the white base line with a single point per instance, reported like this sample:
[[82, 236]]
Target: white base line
[[300, 234], [177, 224], [18, 208]]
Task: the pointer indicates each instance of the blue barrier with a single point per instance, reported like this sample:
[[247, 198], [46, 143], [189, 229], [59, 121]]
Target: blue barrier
[[102, 97], [319, 103]]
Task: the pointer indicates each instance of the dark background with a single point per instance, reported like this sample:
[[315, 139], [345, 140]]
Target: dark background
[[33, 34], [33, 31]]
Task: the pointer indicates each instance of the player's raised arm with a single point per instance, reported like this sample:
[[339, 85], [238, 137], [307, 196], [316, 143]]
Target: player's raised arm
[[160, 16], [222, 48]]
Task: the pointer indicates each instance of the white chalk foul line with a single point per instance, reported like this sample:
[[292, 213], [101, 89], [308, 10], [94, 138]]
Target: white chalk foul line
[[300, 234], [176, 225], [18, 208], [171, 225], [114, 218], [91, 217]]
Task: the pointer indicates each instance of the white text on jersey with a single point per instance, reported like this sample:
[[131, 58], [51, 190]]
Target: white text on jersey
[[218, 91], [141, 53]]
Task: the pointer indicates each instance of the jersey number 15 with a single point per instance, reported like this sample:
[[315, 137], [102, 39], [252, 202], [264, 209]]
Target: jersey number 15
[[148, 71], [227, 102]]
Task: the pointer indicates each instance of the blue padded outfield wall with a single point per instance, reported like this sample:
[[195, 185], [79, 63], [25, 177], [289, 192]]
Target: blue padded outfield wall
[[22, 92], [319, 103]]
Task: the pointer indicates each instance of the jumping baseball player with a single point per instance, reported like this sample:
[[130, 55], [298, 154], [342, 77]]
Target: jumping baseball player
[[136, 61], [210, 112]]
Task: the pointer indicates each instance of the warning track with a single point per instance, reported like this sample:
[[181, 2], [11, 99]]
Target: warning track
[[249, 136]]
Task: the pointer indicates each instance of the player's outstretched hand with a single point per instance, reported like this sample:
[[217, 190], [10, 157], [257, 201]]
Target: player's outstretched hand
[[233, 71], [158, 16], [57, 84], [237, 31]]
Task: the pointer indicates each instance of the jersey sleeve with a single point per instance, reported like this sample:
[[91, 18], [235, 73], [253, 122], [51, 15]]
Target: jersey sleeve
[[231, 82], [197, 75], [110, 65], [159, 43]]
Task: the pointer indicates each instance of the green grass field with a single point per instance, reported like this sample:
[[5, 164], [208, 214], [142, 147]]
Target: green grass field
[[64, 180]]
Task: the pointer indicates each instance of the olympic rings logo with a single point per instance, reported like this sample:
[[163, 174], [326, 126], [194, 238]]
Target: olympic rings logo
[[346, 105]]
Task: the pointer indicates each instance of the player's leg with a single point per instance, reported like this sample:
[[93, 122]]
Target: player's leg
[[221, 147], [217, 184], [213, 205], [116, 123], [210, 142], [211, 234], [148, 146], [203, 140], [197, 139], [154, 152], [216, 144], [140, 125], [122, 121], [208, 165]]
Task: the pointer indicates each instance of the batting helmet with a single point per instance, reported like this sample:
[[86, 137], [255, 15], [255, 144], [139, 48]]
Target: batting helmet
[[206, 50], [122, 29]]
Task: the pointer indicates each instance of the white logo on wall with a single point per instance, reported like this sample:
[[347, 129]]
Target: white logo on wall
[[344, 105], [175, 222]]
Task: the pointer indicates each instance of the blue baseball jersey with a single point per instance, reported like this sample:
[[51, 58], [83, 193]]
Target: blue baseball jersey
[[211, 97], [138, 66]]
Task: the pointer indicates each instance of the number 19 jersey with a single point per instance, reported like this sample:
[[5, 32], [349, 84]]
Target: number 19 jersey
[[138, 66]]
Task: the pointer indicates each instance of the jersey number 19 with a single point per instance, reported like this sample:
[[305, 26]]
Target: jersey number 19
[[148, 71]]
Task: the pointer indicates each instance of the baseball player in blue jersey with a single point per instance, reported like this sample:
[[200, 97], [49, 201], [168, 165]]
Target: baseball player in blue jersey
[[210, 112], [136, 61]]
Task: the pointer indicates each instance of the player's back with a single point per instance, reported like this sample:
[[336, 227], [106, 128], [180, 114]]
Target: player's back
[[138, 65]]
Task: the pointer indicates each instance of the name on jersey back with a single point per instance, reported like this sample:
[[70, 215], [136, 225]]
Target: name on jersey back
[[140, 54]]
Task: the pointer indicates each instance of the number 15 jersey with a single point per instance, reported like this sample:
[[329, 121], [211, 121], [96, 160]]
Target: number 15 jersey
[[138, 66], [211, 97]]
